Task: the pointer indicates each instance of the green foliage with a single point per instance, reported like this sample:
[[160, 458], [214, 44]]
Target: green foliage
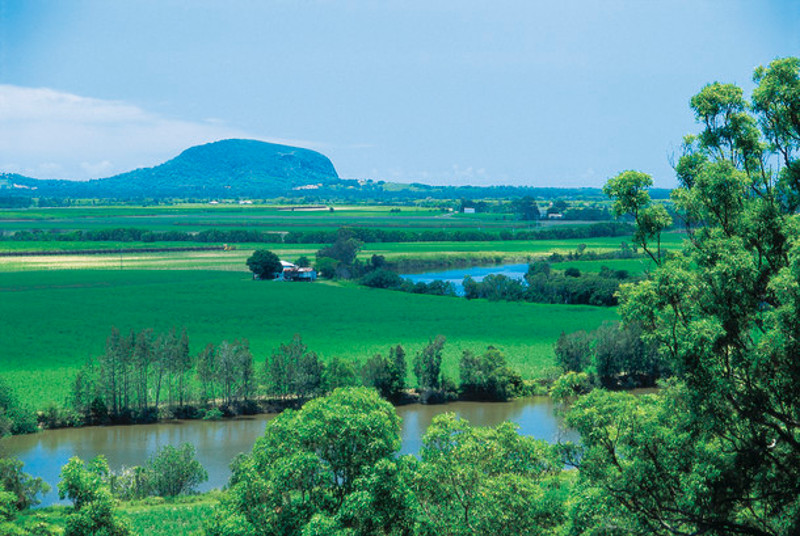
[[387, 375], [80, 483], [715, 452], [344, 249], [613, 356], [570, 385], [484, 481], [382, 278], [628, 190], [292, 370], [88, 489], [339, 372], [428, 364], [488, 376], [264, 264], [574, 351], [15, 418], [22, 486], [326, 267], [174, 471], [311, 462], [526, 208]]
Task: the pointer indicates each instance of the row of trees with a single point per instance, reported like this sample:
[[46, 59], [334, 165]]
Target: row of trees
[[541, 285], [132, 234], [143, 376]]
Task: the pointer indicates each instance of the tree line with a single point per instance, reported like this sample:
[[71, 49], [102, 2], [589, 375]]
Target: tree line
[[541, 284], [365, 234], [143, 377]]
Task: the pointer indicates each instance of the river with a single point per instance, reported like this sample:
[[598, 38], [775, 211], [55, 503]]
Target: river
[[457, 275], [217, 442]]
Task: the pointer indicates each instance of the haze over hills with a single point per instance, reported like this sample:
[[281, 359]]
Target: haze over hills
[[237, 168]]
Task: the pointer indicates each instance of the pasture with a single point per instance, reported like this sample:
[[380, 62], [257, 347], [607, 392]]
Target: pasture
[[52, 321]]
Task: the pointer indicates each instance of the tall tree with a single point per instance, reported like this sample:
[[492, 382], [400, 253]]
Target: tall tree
[[717, 452], [428, 364]]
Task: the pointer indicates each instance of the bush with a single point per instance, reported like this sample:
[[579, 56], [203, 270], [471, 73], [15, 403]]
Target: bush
[[382, 278], [488, 377], [174, 471]]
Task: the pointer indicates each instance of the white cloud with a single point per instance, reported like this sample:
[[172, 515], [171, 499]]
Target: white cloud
[[50, 134]]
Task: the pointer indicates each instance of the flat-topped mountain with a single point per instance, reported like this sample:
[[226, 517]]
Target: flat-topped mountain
[[223, 168]]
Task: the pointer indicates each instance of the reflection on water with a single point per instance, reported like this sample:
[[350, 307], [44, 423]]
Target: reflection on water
[[218, 442]]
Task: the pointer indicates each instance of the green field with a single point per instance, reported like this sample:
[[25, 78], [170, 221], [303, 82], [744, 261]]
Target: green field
[[149, 517], [52, 321], [263, 218], [632, 266]]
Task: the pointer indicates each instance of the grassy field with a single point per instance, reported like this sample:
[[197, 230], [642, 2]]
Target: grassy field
[[52, 321], [263, 218], [633, 266], [153, 517]]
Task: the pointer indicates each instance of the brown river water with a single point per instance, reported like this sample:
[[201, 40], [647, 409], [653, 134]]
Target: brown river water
[[217, 442]]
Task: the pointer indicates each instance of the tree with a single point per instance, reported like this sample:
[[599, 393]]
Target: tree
[[428, 364], [485, 481], [387, 375], [488, 376], [629, 192], [344, 249], [307, 465], [174, 471], [24, 488], [526, 208], [573, 351], [264, 264], [292, 370], [716, 453]]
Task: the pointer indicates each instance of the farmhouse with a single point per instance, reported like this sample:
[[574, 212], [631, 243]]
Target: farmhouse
[[292, 272]]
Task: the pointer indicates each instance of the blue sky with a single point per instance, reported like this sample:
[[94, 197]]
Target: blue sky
[[443, 92]]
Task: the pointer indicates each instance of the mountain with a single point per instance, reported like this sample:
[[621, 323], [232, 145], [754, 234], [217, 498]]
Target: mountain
[[227, 168]]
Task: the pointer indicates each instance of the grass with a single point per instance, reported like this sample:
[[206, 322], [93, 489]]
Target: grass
[[52, 321], [148, 517]]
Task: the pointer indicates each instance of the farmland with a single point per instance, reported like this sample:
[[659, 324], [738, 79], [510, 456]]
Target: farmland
[[52, 321], [57, 310]]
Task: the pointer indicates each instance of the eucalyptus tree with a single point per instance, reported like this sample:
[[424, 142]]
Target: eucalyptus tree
[[717, 452]]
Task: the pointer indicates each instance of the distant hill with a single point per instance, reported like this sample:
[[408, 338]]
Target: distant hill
[[227, 168], [231, 169]]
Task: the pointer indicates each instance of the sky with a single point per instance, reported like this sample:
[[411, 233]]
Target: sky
[[522, 92]]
